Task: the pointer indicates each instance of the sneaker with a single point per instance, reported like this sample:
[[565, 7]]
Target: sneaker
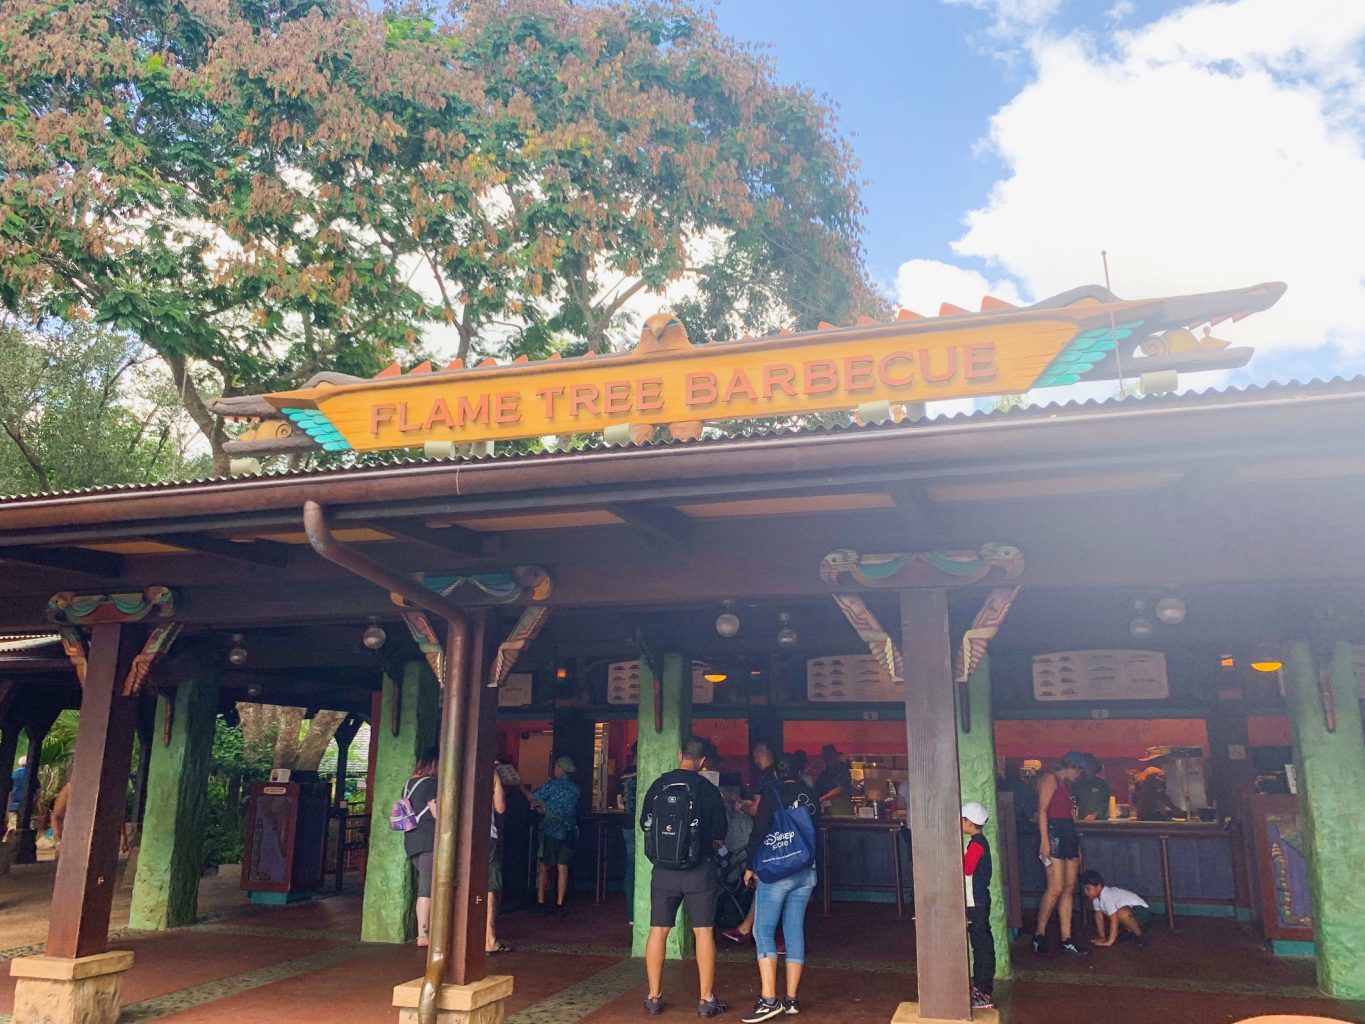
[[713, 1007], [764, 1009], [790, 1007], [1141, 941], [561, 911], [1072, 949], [982, 1000], [654, 1005], [734, 935], [1040, 945]]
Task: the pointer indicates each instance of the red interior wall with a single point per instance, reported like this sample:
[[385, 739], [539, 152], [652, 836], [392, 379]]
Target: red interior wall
[[848, 737], [1108, 739], [1270, 732]]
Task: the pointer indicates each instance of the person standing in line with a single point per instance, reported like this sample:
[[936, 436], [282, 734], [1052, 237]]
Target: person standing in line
[[683, 819], [976, 871], [785, 899], [629, 778], [764, 775], [491, 944], [556, 799], [419, 842], [1059, 849]]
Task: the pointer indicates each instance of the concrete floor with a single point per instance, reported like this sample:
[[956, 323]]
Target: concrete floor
[[252, 965]]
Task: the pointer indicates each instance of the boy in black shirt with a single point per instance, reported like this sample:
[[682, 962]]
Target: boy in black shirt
[[697, 885], [976, 870]]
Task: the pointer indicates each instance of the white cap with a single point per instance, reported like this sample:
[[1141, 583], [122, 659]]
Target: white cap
[[975, 813]]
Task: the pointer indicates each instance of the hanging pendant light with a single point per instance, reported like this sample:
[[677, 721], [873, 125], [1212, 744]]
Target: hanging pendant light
[[786, 636], [237, 653], [727, 622]]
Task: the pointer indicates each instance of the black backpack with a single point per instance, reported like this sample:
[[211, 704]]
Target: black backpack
[[673, 828]]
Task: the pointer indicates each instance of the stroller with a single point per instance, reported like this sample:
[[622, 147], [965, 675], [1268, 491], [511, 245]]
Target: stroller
[[735, 896]]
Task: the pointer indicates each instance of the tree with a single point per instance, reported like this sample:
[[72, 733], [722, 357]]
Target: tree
[[185, 172], [80, 407]]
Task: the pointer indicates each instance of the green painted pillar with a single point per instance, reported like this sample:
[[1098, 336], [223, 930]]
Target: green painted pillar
[[388, 913], [171, 859], [658, 753], [1331, 770], [976, 767]]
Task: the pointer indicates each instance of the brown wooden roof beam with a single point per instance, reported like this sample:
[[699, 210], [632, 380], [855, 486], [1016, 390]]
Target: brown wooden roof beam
[[661, 522], [257, 552], [91, 563], [450, 539]]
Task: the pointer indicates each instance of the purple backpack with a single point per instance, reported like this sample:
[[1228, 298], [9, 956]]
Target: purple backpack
[[402, 818]]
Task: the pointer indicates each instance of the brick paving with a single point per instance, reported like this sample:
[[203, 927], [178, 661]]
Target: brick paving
[[303, 963]]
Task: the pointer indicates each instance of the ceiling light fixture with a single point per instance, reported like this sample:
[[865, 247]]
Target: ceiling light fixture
[[1171, 611], [374, 636], [713, 676], [786, 636], [1266, 659], [727, 622], [1141, 627], [237, 653]]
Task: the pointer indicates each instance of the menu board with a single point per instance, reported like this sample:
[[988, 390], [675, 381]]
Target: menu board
[[515, 691], [623, 684], [851, 677], [1100, 675]]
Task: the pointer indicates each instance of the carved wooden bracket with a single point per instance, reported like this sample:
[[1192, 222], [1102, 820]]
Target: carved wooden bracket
[[70, 608], [158, 642], [526, 629], [73, 643], [419, 625], [878, 640], [922, 569], [503, 586], [974, 642]]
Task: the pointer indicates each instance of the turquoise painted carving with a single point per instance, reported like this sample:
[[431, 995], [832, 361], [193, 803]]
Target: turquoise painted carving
[[504, 587], [923, 569], [71, 608], [316, 425], [1082, 353]]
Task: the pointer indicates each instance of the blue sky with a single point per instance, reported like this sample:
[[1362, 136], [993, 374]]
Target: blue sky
[[1206, 144]]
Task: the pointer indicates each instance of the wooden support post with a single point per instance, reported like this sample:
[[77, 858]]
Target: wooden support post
[[935, 807], [84, 890], [467, 959], [9, 746]]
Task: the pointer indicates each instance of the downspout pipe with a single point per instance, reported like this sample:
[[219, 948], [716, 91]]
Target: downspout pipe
[[455, 685]]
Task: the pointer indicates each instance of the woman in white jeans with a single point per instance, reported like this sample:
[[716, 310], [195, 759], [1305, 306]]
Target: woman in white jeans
[[784, 901]]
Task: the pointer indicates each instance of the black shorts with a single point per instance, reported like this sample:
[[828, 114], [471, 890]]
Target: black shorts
[[698, 888], [1063, 838]]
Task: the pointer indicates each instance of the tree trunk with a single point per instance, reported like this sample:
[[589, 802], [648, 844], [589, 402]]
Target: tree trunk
[[193, 402], [287, 739], [315, 741]]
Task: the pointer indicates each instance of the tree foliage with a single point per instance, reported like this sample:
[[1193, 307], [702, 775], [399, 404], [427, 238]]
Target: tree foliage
[[80, 407], [259, 189]]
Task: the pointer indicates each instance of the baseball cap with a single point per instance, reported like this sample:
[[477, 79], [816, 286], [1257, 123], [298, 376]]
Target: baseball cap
[[975, 813], [566, 762]]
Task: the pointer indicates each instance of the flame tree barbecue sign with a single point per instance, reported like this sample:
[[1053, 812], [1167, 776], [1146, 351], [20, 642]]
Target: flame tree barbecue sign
[[1081, 335]]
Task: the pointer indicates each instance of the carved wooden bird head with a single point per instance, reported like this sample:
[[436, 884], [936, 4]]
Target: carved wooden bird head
[[663, 332]]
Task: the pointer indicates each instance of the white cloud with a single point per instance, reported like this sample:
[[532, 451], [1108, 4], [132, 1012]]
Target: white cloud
[[1215, 148], [924, 285], [1014, 16]]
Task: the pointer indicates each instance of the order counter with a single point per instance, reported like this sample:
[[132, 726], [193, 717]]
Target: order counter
[[1168, 861], [863, 855]]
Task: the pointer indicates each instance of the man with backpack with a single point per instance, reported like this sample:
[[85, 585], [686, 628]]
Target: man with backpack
[[683, 819]]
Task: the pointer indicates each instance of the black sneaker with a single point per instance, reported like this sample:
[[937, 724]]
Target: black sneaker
[[1040, 945], [764, 1009], [982, 1000], [713, 1007], [654, 1005], [1072, 949], [790, 1007]]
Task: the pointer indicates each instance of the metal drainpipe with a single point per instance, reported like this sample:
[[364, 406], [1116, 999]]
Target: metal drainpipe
[[324, 542]]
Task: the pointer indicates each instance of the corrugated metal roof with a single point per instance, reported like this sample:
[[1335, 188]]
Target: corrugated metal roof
[[1189, 399], [17, 644]]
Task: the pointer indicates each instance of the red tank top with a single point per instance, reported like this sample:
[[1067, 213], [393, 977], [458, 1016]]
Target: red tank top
[[1060, 804]]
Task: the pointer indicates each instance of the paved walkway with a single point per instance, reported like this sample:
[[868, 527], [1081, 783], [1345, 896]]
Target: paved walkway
[[253, 965]]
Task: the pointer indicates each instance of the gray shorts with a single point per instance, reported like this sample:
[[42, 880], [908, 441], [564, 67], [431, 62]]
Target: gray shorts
[[422, 862]]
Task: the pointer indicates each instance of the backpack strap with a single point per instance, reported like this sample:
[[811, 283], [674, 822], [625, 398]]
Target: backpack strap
[[410, 789]]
